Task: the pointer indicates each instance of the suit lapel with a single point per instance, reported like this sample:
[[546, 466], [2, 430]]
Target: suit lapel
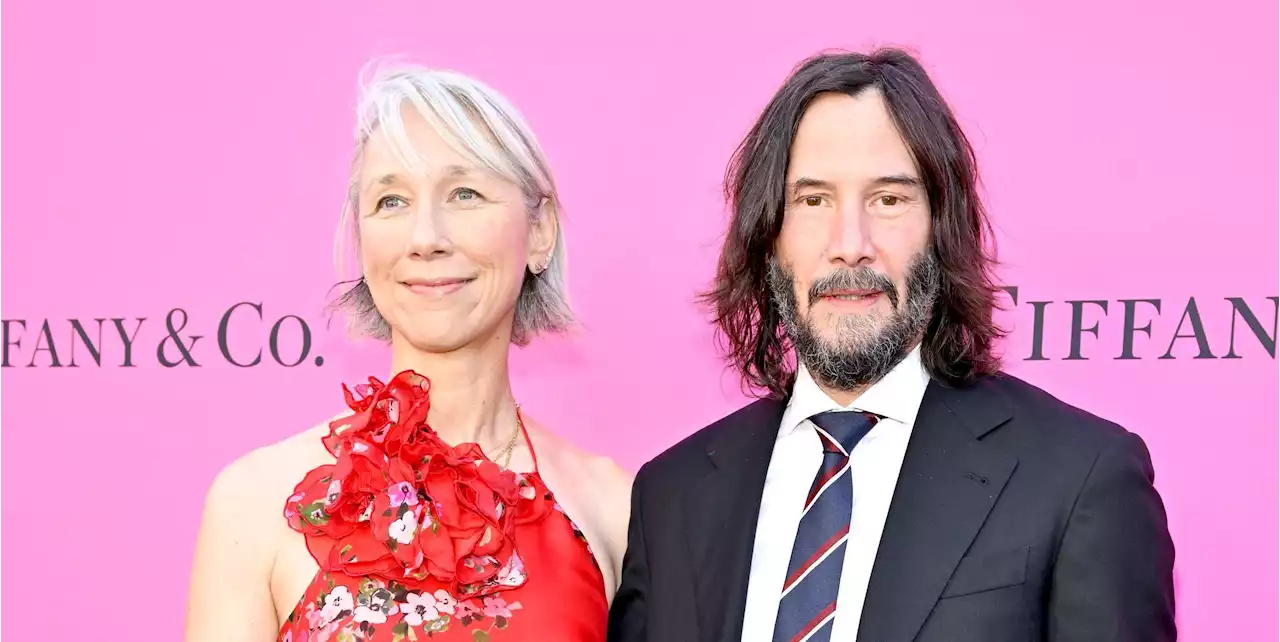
[[721, 511], [949, 481]]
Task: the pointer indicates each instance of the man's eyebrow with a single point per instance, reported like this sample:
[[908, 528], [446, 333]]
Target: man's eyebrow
[[905, 180], [805, 182]]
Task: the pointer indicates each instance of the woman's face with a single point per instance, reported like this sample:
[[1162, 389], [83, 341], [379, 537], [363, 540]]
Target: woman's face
[[444, 252]]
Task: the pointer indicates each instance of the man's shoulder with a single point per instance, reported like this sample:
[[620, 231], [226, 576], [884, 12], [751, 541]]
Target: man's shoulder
[[1052, 419], [692, 451]]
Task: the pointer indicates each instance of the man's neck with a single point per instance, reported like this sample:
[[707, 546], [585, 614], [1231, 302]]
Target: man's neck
[[843, 397]]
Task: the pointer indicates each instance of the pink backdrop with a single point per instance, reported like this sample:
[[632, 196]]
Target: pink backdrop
[[163, 155]]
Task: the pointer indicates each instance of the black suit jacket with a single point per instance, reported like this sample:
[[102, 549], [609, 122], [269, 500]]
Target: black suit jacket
[[1016, 518]]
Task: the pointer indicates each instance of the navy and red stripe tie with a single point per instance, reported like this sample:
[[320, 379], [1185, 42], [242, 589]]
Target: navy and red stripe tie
[[807, 609]]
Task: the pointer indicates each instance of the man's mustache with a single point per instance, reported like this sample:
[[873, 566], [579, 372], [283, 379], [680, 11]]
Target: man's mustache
[[863, 278]]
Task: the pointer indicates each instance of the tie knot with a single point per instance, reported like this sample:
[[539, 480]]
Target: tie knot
[[846, 428]]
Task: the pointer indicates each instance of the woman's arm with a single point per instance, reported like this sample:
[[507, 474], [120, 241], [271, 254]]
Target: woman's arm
[[230, 595], [615, 515], [597, 492]]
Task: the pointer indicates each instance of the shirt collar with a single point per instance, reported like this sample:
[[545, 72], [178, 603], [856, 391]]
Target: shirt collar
[[897, 396]]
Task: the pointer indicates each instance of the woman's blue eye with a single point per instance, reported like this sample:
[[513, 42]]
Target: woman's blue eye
[[466, 194], [390, 202]]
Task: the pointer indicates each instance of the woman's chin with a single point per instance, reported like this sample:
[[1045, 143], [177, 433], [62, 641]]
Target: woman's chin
[[437, 343], [447, 333]]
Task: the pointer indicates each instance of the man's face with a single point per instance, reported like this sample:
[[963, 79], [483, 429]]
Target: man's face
[[854, 276]]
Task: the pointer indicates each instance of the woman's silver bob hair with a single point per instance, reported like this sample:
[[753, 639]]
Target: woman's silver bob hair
[[483, 126]]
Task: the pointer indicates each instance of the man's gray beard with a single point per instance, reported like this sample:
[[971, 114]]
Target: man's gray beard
[[866, 349]]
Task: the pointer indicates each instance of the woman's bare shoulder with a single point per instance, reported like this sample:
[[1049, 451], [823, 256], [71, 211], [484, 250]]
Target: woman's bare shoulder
[[601, 486], [597, 474], [241, 531], [268, 474]]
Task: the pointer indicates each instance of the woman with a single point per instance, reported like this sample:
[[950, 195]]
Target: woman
[[435, 506]]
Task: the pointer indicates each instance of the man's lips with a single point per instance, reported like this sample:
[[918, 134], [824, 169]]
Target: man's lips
[[850, 295]]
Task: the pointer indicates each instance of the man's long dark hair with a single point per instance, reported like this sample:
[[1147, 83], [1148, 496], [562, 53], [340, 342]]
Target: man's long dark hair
[[958, 341]]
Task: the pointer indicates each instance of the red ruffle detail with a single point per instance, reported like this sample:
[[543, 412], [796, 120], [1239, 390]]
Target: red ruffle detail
[[401, 504]]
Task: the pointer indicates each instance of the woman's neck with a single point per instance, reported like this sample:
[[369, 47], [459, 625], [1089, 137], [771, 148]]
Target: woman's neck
[[471, 400]]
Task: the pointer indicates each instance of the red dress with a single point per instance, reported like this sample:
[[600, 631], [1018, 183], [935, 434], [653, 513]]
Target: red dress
[[417, 539]]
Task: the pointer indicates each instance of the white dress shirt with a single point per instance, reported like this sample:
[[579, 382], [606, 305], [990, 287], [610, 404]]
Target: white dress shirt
[[797, 456]]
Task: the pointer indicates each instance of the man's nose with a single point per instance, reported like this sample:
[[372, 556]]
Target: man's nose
[[851, 236]]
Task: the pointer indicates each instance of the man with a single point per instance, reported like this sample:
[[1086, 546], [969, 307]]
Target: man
[[894, 485]]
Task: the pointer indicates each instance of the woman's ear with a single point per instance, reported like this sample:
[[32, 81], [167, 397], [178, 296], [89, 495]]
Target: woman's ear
[[542, 236]]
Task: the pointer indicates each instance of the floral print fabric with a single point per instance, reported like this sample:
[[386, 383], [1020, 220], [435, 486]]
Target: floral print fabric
[[417, 539]]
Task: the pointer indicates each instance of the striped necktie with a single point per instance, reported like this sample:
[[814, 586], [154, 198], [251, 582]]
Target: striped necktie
[[807, 609]]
